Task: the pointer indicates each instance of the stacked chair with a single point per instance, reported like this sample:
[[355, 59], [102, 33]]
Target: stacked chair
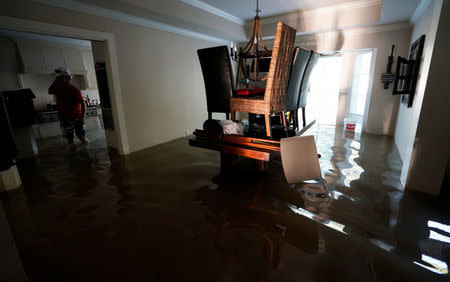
[[274, 99], [218, 77], [286, 87]]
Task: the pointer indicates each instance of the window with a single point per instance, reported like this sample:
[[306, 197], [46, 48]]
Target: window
[[360, 85]]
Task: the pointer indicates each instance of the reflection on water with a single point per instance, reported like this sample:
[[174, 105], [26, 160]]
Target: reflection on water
[[436, 265], [434, 224], [354, 171], [354, 187], [438, 249], [168, 214], [439, 237]]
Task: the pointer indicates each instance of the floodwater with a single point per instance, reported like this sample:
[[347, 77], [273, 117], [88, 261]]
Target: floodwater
[[168, 214]]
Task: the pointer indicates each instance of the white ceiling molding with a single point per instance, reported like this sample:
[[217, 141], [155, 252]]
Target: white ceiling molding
[[352, 30], [421, 7], [54, 39], [124, 17], [213, 10], [325, 10], [22, 25]]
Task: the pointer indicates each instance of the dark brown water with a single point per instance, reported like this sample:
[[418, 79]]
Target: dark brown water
[[167, 214]]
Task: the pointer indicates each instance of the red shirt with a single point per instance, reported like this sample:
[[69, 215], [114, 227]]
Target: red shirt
[[68, 100]]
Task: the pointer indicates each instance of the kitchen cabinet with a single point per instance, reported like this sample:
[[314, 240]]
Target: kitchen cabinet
[[73, 60], [33, 59], [53, 58], [50, 127], [89, 66], [92, 123], [43, 58]]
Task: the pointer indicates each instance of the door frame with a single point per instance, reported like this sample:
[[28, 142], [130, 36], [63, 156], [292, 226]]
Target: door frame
[[111, 61]]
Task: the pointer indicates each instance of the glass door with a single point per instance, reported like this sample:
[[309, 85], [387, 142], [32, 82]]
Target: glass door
[[324, 90]]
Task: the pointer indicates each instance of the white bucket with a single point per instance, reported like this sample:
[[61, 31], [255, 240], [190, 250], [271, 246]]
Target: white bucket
[[349, 124]]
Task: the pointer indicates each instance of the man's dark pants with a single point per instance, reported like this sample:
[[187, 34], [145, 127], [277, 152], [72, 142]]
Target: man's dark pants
[[75, 125]]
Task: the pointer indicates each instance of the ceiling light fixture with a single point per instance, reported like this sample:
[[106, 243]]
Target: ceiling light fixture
[[255, 49]]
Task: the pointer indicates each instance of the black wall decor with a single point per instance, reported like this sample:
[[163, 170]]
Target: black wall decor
[[408, 71]]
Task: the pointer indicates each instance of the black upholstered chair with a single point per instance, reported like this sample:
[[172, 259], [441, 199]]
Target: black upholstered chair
[[217, 75], [303, 95], [299, 63], [303, 62]]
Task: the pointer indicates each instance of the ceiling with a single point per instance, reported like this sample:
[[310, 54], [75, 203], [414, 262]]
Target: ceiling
[[392, 11], [397, 10], [245, 9], [211, 19]]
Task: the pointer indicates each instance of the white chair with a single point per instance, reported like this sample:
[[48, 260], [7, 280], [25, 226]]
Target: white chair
[[300, 159]]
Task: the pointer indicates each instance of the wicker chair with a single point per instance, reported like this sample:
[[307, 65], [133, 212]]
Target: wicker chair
[[274, 100], [218, 78]]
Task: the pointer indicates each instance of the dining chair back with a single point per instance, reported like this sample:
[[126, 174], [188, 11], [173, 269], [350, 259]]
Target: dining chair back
[[217, 76], [274, 100], [304, 89], [299, 63]]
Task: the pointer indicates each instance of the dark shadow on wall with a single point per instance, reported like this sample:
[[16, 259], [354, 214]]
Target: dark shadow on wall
[[316, 41]]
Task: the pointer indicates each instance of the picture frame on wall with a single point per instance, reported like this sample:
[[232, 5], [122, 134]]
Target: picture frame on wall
[[407, 73]]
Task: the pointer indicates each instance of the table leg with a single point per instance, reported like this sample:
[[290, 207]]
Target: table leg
[[225, 161], [260, 165], [268, 125]]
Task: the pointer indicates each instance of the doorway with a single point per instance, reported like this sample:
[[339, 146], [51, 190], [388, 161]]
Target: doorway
[[43, 151], [360, 86], [323, 94], [339, 87], [34, 57], [108, 41]]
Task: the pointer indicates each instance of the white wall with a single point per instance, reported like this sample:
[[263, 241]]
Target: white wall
[[409, 117], [425, 165], [160, 76]]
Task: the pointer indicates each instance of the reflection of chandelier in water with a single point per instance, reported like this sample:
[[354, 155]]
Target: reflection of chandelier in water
[[252, 49]]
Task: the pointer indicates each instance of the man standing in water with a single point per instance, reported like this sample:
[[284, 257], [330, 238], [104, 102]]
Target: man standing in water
[[70, 104]]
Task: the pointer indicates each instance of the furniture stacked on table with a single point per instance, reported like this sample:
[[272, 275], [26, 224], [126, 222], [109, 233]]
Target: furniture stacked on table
[[286, 90]]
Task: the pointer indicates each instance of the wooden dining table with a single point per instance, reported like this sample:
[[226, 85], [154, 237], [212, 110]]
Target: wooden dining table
[[259, 149]]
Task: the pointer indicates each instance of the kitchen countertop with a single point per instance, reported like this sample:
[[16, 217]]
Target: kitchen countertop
[[51, 112]]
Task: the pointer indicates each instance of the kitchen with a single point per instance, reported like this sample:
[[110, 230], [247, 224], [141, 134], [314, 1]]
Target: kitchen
[[30, 60]]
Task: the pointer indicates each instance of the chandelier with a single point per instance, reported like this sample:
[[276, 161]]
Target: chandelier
[[255, 49]]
